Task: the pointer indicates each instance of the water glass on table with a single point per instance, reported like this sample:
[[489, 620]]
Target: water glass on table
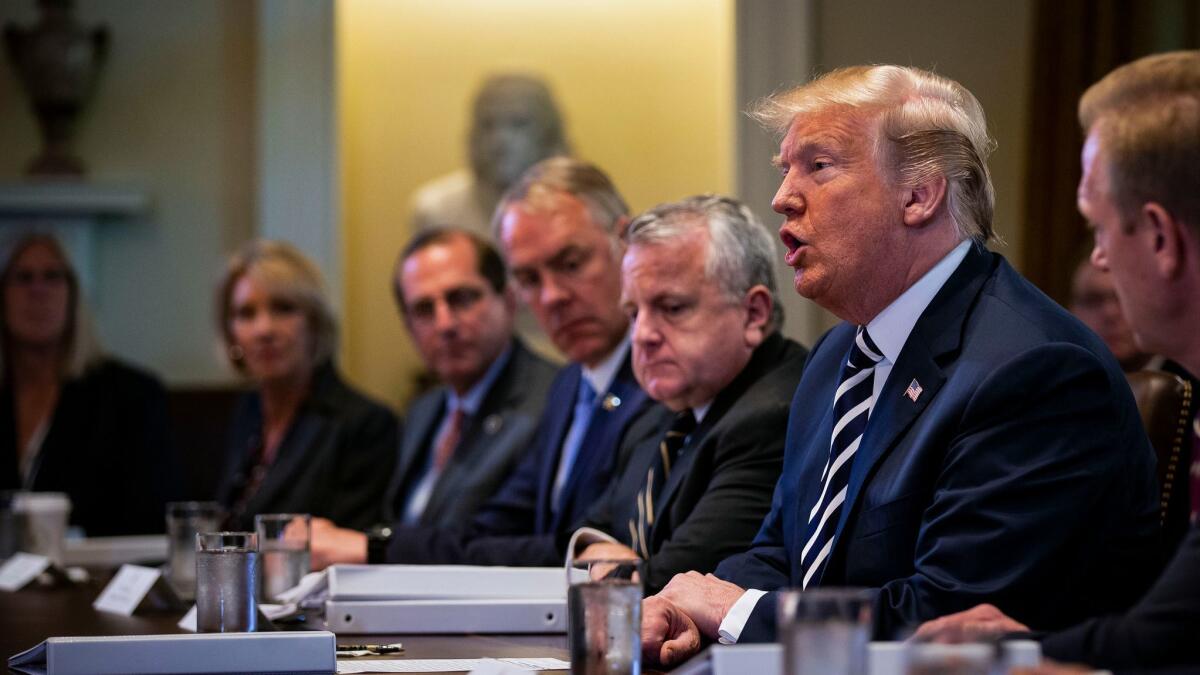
[[284, 541], [184, 521], [226, 582], [604, 617], [825, 630]]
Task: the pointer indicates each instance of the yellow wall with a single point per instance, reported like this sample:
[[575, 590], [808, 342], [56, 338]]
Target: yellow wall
[[646, 89]]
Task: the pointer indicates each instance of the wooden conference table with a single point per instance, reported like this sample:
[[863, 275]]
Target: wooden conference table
[[35, 613]]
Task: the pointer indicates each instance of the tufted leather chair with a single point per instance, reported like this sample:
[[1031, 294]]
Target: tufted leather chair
[[1166, 404]]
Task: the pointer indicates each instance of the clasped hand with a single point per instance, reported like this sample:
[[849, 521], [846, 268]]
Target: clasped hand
[[690, 608]]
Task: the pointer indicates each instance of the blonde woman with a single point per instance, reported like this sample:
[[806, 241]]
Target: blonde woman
[[71, 419], [302, 440]]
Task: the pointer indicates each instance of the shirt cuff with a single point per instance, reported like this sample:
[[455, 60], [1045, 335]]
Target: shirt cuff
[[731, 626]]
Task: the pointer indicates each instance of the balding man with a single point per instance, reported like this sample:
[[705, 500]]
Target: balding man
[[945, 438], [1141, 168]]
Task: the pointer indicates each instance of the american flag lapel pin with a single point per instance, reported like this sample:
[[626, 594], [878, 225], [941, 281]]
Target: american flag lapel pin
[[914, 390]]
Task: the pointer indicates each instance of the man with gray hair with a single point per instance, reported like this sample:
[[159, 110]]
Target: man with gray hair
[[699, 291], [945, 439]]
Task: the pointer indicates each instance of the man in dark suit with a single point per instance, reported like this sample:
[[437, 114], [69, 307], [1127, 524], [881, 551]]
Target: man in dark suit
[[463, 438], [699, 287], [559, 232], [944, 440], [1139, 194]]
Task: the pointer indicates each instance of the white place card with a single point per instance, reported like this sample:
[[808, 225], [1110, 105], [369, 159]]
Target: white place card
[[188, 622], [127, 589], [21, 569]]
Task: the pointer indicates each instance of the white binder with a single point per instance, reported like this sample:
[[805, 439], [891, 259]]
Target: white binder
[[426, 599], [280, 652]]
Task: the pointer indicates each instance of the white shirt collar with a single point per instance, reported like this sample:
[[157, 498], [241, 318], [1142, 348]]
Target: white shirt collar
[[701, 410], [602, 375], [891, 327]]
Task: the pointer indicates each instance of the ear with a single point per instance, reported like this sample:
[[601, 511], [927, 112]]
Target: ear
[[1168, 237], [923, 201], [758, 305]]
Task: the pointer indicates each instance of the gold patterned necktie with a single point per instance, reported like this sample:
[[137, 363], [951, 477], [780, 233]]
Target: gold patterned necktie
[[656, 477]]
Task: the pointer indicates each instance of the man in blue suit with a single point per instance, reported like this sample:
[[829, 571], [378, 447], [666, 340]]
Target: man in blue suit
[[559, 230], [1139, 194], [960, 436]]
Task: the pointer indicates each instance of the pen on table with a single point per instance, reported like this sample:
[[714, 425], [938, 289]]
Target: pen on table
[[378, 649]]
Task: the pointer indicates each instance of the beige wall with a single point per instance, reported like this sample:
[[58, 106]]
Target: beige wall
[[173, 114], [984, 45], [646, 89]]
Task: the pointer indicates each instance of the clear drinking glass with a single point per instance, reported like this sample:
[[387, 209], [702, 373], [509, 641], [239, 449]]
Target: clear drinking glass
[[184, 521], [226, 582], [283, 551], [604, 617], [825, 630]]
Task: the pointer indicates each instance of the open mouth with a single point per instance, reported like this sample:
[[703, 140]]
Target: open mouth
[[794, 246]]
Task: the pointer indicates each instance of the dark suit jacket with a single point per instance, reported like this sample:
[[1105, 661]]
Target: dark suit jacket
[[522, 505], [492, 442], [1160, 631], [108, 447], [1021, 476], [720, 486], [333, 462]]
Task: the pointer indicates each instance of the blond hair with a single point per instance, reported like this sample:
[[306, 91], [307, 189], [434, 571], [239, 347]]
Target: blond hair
[[287, 273], [929, 126], [1147, 116], [80, 346]]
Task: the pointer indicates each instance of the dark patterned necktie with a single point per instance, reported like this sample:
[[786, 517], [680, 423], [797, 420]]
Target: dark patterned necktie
[[656, 477], [852, 403]]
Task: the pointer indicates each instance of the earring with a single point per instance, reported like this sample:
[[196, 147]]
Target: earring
[[236, 353]]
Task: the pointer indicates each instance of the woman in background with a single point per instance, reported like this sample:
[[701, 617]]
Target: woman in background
[[302, 441], [71, 419]]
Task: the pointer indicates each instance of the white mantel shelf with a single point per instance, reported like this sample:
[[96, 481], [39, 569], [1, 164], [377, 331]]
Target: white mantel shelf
[[71, 199]]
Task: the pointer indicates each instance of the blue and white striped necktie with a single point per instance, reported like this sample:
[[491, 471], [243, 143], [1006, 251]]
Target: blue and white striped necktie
[[852, 403]]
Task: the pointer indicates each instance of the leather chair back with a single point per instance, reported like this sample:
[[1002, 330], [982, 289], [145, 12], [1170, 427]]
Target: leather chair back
[[1166, 404]]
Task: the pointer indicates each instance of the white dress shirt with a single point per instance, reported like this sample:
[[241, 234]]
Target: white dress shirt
[[889, 330]]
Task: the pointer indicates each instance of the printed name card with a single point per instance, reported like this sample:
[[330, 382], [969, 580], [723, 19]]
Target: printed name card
[[21, 569], [127, 590]]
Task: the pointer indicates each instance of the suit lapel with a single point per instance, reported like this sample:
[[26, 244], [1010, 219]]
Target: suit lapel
[[558, 419], [422, 422], [293, 451], [936, 335], [599, 442]]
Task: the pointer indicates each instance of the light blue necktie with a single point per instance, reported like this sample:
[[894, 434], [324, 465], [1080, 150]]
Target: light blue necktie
[[585, 401]]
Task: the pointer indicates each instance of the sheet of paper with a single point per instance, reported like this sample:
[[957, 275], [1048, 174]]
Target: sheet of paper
[[188, 622], [21, 569], [445, 665], [127, 589]]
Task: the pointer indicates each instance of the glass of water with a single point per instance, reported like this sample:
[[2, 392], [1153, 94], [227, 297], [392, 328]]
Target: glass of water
[[604, 617], [226, 582], [283, 547], [184, 521], [825, 630]]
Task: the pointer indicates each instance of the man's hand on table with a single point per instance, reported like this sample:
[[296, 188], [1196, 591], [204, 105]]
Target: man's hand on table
[[982, 622], [333, 545], [692, 605]]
